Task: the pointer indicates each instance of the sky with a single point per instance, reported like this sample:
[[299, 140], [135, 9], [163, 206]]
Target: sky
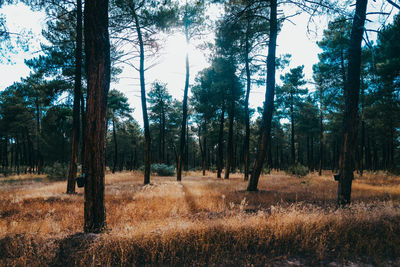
[[293, 39]]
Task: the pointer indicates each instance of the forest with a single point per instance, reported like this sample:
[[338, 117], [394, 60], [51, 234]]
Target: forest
[[311, 177]]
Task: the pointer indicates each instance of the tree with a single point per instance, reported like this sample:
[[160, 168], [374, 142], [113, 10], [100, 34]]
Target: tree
[[205, 100], [77, 99], [251, 33], [192, 20], [97, 50], [290, 97], [330, 76], [117, 108], [160, 101], [352, 91], [145, 18], [265, 130]]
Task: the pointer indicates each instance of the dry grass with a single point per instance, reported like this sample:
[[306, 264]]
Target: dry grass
[[201, 221]]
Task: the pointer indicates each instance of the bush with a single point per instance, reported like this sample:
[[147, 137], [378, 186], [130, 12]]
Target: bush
[[162, 169], [57, 171], [297, 170]]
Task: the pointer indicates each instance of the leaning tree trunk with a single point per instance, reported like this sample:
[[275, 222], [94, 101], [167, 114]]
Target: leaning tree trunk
[[97, 49], [143, 96], [77, 98], [184, 113], [269, 100], [346, 159]]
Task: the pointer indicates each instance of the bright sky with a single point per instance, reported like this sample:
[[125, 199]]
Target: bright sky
[[293, 39]]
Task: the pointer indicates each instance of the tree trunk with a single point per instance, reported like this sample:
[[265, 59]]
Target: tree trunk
[[321, 135], [362, 148], [184, 111], [346, 160], [229, 148], [312, 153], [292, 148], [115, 146], [187, 149], [163, 136], [73, 162], [83, 124], [308, 153], [247, 115], [203, 148], [97, 49], [38, 154], [143, 97], [221, 141], [264, 141]]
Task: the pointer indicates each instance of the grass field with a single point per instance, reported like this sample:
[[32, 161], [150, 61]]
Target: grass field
[[203, 221]]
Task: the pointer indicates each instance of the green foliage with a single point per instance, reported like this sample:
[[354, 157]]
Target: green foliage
[[162, 169], [56, 171], [297, 170]]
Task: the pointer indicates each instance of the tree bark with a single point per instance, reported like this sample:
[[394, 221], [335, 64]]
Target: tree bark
[[264, 141], [352, 91], [97, 49], [73, 162]]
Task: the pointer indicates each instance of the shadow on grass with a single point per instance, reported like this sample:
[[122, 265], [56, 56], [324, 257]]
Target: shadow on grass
[[73, 249]]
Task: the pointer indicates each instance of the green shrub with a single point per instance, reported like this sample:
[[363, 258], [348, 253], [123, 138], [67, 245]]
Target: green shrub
[[162, 169], [297, 170], [57, 171]]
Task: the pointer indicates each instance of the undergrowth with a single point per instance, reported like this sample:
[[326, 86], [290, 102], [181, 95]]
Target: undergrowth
[[201, 222]]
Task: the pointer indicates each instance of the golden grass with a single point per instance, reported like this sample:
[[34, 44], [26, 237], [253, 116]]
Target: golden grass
[[201, 221]]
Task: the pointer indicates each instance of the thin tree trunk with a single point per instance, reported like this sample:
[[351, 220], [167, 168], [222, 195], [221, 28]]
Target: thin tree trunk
[[312, 153], [115, 146], [143, 97], [220, 141], [247, 115], [362, 149], [5, 172], [73, 162], [187, 148], [184, 111], [269, 100], [321, 135], [163, 136], [308, 153], [229, 149], [83, 131], [97, 49], [203, 148], [345, 176], [38, 154], [292, 148]]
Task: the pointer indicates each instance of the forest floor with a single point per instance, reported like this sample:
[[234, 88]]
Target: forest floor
[[203, 221]]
